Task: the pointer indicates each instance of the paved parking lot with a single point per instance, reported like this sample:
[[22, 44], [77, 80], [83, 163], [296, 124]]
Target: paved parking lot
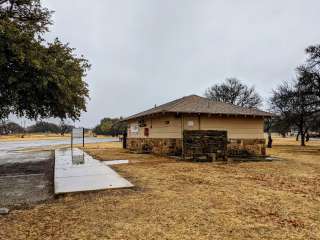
[[28, 180], [28, 177]]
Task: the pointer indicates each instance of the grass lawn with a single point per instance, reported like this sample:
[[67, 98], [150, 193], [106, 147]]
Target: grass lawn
[[32, 137], [185, 200], [39, 136]]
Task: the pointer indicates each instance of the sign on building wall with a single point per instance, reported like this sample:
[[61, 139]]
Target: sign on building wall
[[134, 128]]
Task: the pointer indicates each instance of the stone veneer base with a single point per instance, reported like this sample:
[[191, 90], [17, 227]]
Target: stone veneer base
[[173, 146]]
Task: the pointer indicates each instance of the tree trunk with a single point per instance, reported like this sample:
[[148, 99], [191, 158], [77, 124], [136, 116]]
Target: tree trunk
[[297, 137], [303, 137], [269, 140], [124, 140], [307, 137]]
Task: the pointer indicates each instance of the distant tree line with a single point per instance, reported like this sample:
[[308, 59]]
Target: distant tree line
[[10, 128], [39, 127], [111, 126], [107, 126]]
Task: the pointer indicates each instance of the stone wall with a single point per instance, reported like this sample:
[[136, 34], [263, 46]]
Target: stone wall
[[173, 146], [247, 147], [205, 145], [162, 146]]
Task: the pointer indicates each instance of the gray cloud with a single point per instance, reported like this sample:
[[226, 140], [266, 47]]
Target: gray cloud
[[146, 52]]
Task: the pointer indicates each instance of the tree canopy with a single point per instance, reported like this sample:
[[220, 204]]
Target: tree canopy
[[38, 79], [111, 126], [42, 127], [294, 107], [47, 127], [235, 92], [10, 128], [309, 73]]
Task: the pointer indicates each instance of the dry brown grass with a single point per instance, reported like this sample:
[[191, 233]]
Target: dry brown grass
[[184, 200], [113, 151], [39, 136], [32, 137]]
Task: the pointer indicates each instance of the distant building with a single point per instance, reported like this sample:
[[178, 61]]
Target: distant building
[[161, 129]]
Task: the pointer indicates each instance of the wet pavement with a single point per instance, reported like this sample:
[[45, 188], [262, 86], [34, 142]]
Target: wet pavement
[[76, 171], [27, 173], [15, 151], [22, 157], [28, 181], [9, 146]]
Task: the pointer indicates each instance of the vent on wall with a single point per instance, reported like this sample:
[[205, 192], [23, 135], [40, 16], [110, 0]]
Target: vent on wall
[[142, 123], [190, 123]]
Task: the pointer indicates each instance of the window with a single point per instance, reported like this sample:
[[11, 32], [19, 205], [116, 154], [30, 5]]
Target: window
[[142, 123], [166, 122]]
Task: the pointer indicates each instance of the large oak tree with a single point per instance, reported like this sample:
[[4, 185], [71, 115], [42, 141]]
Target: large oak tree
[[38, 79]]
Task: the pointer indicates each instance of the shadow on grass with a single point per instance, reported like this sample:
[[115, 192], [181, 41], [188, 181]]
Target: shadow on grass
[[242, 159]]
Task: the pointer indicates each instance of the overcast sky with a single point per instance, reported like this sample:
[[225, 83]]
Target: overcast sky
[[146, 52]]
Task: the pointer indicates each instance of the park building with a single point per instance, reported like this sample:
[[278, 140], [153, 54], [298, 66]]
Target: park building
[[195, 125]]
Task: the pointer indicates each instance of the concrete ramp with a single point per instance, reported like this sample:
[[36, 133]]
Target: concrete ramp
[[76, 171]]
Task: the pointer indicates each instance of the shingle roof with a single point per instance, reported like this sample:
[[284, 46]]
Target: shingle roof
[[201, 105]]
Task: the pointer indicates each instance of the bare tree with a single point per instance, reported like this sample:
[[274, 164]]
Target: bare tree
[[235, 92], [298, 104], [294, 106]]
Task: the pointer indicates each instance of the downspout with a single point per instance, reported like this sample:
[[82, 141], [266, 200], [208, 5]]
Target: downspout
[[182, 128]]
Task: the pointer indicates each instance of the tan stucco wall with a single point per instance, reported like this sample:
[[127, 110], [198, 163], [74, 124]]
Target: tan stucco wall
[[158, 128], [237, 127]]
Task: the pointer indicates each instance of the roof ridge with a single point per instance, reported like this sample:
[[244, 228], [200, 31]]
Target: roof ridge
[[175, 102], [179, 100]]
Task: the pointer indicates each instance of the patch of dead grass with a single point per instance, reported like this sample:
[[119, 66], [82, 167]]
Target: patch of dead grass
[[32, 137], [39, 136]]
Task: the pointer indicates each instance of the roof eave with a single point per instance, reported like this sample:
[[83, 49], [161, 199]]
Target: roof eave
[[264, 115]]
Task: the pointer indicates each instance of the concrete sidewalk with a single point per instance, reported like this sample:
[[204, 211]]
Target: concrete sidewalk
[[76, 171]]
